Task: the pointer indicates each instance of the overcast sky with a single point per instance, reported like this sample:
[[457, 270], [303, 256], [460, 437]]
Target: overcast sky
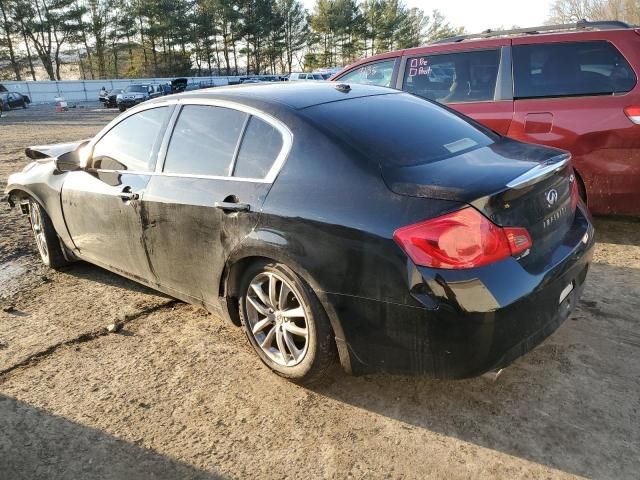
[[478, 15]]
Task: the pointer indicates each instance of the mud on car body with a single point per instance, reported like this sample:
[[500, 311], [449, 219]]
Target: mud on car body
[[325, 221]]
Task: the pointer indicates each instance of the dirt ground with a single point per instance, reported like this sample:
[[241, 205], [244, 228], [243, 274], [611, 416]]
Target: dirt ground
[[178, 393]]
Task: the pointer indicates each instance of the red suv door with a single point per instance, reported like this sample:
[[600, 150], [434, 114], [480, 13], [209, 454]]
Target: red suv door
[[571, 94], [473, 79]]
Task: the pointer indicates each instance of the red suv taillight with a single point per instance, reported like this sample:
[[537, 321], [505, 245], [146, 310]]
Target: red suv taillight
[[462, 239], [633, 112], [575, 193]]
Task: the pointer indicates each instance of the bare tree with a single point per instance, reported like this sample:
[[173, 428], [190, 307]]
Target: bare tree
[[569, 11]]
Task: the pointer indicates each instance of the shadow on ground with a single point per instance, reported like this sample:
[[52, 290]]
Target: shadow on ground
[[48, 446]]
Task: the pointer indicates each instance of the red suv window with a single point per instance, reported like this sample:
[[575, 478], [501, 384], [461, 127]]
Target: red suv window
[[570, 69], [454, 77]]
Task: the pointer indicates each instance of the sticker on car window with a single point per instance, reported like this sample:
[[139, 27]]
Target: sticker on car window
[[459, 145]]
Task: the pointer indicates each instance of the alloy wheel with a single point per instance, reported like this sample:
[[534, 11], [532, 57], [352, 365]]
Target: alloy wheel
[[277, 319], [35, 215]]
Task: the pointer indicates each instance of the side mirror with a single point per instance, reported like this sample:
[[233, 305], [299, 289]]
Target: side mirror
[[75, 159], [68, 162]]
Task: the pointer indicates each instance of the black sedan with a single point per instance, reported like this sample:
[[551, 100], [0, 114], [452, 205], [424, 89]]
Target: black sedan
[[328, 220], [10, 100]]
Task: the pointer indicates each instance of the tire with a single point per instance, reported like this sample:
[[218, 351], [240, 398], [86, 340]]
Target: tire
[[122, 108], [24, 105], [46, 238], [298, 345]]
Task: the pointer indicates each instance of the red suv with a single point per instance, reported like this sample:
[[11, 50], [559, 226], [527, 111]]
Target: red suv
[[568, 86]]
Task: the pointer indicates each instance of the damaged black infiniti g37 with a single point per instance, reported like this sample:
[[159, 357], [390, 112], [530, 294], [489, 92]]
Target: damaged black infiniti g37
[[330, 221]]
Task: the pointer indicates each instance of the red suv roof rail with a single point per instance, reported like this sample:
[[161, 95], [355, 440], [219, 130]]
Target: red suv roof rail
[[580, 25]]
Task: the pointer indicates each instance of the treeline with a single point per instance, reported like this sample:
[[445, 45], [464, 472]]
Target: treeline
[[140, 38], [569, 11]]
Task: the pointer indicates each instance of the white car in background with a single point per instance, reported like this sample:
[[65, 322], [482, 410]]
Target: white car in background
[[304, 77]]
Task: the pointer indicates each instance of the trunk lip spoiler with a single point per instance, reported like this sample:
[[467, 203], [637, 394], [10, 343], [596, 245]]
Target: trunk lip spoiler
[[540, 172]]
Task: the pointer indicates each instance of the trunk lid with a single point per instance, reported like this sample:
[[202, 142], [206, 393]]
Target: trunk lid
[[514, 184], [53, 150]]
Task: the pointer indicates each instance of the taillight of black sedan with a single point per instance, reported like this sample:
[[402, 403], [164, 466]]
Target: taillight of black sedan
[[328, 220]]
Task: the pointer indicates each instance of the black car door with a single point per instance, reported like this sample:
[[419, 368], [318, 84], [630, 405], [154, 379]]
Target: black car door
[[218, 167], [101, 203]]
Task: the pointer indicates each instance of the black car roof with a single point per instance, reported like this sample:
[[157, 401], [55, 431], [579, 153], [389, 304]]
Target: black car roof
[[297, 95]]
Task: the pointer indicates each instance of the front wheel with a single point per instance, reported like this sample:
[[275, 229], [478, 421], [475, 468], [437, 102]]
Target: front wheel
[[285, 323], [46, 237], [122, 108]]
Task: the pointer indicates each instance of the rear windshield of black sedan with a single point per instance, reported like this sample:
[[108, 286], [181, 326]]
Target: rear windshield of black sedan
[[400, 129]]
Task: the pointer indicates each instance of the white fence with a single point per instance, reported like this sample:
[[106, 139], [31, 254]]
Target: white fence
[[87, 90]]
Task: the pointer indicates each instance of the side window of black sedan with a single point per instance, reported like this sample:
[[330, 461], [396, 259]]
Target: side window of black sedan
[[260, 147], [132, 143], [204, 140]]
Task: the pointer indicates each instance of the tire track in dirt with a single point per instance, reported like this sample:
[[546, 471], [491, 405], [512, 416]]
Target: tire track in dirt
[[35, 358]]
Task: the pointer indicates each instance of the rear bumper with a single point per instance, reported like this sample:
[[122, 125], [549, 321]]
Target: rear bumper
[[466, 322]]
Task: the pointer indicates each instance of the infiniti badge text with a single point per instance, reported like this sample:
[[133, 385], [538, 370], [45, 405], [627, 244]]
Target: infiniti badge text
[[555, 216]]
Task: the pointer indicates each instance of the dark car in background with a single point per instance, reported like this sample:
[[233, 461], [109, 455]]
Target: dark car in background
[[10, 100], [179, 85], [110, 99], [573, 87], [322, 218], [137, 93]]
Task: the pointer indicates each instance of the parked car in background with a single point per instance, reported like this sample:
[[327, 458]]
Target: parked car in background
[[137, 93], [110, 101], [434, 245], [568, 86], [326, 73], [11, 100], [305, 77], [179, 84]]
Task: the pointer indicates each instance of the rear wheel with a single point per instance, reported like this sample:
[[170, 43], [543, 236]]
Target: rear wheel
[[285, 323], [46, 237]]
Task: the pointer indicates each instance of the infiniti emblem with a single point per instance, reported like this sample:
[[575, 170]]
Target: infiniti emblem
[[552, 196]]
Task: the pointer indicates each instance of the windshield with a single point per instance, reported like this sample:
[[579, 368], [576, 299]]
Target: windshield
[[136, 89], [401, 129]]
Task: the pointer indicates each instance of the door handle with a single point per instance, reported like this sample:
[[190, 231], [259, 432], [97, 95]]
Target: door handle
[[233, 206], [126, 194], [129, 196]]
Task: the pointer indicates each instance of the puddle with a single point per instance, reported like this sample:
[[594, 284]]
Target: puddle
[[9, 271]]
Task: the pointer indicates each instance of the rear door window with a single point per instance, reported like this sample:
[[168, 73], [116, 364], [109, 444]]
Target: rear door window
[[570, 69], [260, 147], [453, 77], [377, 73], [204, 140]]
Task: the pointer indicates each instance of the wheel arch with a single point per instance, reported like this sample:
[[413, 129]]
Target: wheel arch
[[243, 257], [19, 193]]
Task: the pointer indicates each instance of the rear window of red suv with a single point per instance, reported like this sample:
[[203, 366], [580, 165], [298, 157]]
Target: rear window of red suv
[[570, 69]]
